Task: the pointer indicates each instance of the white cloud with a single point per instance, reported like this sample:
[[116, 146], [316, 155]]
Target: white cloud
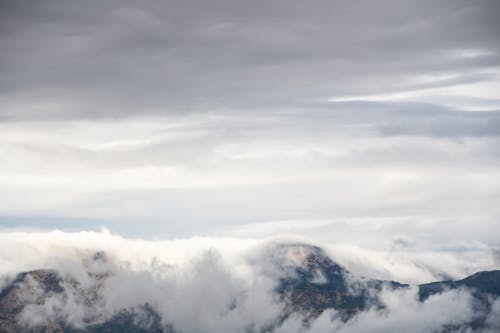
[[226, 284], [474, 96], [219, 170]]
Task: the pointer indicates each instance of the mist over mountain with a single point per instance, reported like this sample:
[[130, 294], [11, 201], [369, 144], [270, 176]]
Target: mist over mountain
[[236, 166], [98, 282]]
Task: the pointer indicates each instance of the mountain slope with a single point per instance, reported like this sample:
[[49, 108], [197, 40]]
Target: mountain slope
[[308, 282]]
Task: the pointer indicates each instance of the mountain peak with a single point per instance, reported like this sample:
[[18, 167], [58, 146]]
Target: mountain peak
[[306, 261], [308, 283]]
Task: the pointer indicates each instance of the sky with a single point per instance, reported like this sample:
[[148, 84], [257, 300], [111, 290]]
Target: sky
[[185, 139], [371, 122]]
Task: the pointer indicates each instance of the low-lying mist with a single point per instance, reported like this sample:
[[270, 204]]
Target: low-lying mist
[[229, 284]]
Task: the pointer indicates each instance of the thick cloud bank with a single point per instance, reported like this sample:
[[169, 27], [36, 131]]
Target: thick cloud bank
[[108, 59], [212, 285]]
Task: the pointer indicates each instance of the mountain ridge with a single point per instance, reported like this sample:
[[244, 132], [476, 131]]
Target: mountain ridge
[[311, 283]]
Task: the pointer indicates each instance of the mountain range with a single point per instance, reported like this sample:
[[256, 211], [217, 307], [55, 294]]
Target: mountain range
[[308, 284]]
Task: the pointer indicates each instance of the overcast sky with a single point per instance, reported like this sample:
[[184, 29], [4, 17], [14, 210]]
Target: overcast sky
[[363, 120]]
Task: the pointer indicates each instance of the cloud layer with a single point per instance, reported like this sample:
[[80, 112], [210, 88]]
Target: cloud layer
[[186, 118], [67, 60], [226, 284], [432, 173]]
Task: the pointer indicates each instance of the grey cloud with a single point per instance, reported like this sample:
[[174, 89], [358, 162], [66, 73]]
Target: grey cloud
[[443, 124], [400, 118], [73, 59], [262, 140], [496, 255]]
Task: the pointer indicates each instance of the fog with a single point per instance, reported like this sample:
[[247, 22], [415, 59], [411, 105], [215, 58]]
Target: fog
[[225, 284]]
